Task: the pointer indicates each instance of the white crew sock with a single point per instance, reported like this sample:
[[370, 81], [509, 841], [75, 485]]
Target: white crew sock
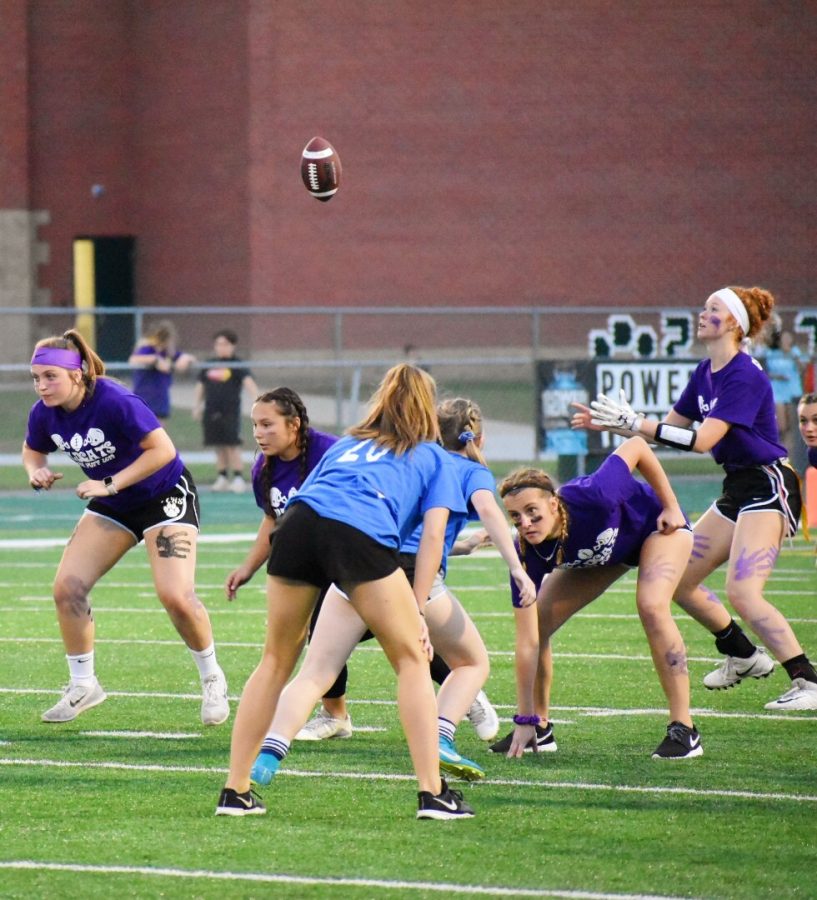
[[447, 728], [81, 668], [206, 661]]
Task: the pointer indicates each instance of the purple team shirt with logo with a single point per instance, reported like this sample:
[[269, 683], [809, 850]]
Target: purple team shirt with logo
[[102, 436], [741, 394], [288, 475], [610, 515]]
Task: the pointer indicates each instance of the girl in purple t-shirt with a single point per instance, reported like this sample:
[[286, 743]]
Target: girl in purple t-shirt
[[584, 537], [807, 418], [138, 489], [731, 397], [290, 450]]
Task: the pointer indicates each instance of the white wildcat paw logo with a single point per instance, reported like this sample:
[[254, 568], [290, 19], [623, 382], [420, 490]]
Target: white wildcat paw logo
[[172, 507]]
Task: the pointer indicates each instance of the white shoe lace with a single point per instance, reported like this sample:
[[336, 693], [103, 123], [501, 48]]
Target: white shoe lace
[[477, 714], [214, 689]]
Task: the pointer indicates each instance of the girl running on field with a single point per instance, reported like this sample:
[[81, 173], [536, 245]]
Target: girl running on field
[[584, 537], [450, 628], [345, 526], [138, 489], [731, 397]]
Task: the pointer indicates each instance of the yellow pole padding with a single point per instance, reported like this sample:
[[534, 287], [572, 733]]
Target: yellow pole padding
[[85, 289]]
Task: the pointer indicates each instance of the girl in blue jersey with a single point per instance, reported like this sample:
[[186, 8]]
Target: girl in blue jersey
[[450, 628], [584, 537], [138, 489], [731, 397], [345, 526]]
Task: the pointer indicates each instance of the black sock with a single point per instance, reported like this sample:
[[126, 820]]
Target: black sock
[[439, 669], [222, 472], [800, 667], [732, 641]]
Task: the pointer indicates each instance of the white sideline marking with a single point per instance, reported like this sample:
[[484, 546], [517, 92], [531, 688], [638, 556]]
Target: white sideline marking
[[372, 648], [382, 776], [572, 710], [159, 735], [246, 537], [234, 610], [362, 648], [271, 878]]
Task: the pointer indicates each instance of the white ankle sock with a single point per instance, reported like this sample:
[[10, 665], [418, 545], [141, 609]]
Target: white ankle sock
[[447, 728], [81, 668], [206, 661]]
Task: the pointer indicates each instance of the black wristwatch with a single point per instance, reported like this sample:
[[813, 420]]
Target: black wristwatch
[[110, 487]]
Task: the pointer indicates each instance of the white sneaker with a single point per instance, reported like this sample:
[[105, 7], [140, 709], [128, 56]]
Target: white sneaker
[[221, 484], [238, 485], [323, 726], [214, 706], [801, 695], [484, 718], [75, 700], [734, 669]]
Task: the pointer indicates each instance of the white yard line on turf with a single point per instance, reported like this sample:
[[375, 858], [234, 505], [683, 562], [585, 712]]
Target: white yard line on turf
[[258, 593], [364, 648], [763, 796], [593, 711], [306, 880], [246, 537], [158, 735]]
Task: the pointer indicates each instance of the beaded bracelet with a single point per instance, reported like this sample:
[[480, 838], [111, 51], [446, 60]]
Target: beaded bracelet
[[526, 720]]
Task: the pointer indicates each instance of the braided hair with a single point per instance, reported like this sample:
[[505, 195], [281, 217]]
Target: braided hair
[[519, 480], [461, 427], [291, 407]]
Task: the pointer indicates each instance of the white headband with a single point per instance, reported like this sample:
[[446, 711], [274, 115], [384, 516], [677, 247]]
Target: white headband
[[735, 306]]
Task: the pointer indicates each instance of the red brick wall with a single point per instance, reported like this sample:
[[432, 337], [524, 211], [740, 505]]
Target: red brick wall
[[501, 152], [14, 106], [80, 126], [149, 99], [494, 153]]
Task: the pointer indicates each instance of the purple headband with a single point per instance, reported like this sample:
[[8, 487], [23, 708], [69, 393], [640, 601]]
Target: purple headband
[[54, 356]]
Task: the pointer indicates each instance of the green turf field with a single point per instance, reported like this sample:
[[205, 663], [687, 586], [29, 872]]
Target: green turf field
[[120, 802]]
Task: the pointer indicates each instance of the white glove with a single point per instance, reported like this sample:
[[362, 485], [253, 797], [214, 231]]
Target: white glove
[[609, 414]]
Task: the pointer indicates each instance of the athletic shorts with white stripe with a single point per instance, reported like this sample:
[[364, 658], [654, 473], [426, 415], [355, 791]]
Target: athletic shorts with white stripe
[[771, 488]]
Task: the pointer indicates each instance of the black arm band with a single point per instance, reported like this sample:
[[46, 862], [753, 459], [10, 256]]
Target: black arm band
[[673, 436]]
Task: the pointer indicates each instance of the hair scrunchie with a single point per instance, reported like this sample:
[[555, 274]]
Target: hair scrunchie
[[466, 437]]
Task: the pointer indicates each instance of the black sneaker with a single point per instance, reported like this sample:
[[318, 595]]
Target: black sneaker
[[545, 742], [680, 743], [447, 804], [231, 803]]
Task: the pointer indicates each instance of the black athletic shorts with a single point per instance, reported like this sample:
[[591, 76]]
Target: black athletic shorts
[[178, 506], [318, 550], [772, 488], [222, 429]]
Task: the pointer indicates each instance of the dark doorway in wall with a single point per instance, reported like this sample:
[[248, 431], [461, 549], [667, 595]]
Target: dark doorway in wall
[[112, 276]]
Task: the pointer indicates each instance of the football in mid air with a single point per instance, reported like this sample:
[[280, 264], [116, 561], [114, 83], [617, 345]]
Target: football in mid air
[[320, 169]]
